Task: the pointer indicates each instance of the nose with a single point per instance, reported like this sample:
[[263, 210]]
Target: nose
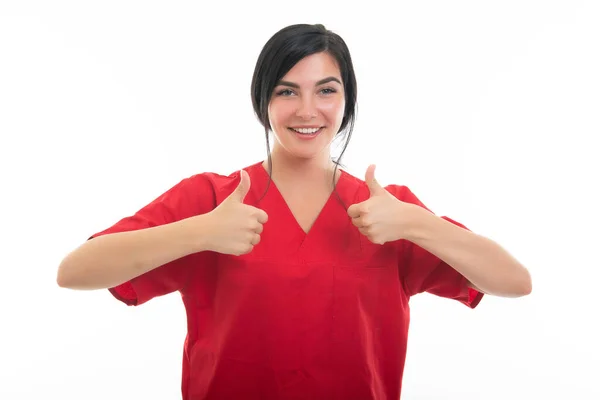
[[306, 109]]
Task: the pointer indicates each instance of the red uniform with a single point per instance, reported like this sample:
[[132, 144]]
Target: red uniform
[[322, 315]]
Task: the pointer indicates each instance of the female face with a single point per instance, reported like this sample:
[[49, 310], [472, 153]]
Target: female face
[[307, 107]]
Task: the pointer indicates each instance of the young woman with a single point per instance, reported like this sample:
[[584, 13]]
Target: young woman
[[296, 276]]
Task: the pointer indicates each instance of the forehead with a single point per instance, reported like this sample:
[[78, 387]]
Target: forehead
[[313, 68]]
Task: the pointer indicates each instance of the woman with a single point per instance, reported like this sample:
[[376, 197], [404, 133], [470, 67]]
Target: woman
[[295, 275]]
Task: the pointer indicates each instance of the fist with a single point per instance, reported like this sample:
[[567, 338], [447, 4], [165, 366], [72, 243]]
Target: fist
[[381, 218], [235, 227]]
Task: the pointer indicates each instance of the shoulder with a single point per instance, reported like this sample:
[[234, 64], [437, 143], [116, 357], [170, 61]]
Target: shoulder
[[401, 192], [217, 180], [216, 183], [200, 192], [404, 194]]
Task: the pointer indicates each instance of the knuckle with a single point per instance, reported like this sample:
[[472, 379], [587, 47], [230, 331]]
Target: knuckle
[[247, 248], [264, 217]]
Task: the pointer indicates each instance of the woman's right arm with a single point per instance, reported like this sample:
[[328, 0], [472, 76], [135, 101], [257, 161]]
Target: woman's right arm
[[110, 260]]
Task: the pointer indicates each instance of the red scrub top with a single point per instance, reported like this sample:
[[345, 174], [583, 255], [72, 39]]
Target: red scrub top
[[322, 315]]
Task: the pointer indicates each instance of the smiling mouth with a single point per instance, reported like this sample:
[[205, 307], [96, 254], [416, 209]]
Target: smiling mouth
[[307, 131]]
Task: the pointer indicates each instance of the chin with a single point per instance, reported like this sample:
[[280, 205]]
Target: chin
[[295, 153], [302, 151], [303, 155]]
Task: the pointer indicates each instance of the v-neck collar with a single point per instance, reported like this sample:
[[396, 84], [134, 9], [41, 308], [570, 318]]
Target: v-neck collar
[[327, 215]]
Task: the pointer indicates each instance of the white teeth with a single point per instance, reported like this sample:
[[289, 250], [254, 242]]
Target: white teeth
[[306, 130]]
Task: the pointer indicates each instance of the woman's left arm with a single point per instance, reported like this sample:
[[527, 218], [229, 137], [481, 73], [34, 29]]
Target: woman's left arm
[[489, 268], [484, 263]]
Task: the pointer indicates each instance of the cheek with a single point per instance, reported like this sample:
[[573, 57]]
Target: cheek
[[279, 113], [272, 114], [334, 110]]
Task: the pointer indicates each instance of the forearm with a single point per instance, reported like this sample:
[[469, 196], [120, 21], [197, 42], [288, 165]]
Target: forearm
[[109, 260], [483, 262]]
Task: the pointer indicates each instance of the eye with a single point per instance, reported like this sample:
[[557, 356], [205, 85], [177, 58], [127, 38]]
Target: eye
[[285, 92], [328, 91]]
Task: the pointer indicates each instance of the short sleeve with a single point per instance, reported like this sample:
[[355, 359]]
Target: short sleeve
[[191, 196], [421, 271]]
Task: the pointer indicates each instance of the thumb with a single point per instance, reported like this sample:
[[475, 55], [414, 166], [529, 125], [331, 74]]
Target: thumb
[[374, 186], [242, 189]]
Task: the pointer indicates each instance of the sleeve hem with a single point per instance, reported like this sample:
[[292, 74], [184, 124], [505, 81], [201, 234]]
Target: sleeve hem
[[125, 293], [475, 298]]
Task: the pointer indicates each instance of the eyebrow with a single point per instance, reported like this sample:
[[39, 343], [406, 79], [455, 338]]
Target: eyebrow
[[321, 82]]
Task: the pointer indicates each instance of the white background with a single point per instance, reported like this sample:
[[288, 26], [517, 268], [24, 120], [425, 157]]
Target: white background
[[488, 111]]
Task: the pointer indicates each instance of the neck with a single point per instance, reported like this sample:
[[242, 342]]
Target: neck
[[294, 169]]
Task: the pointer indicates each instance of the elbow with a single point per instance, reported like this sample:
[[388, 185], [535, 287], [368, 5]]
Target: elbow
[[518, 285], [62, 277], [523, 286], [526, 285], [68, 275]]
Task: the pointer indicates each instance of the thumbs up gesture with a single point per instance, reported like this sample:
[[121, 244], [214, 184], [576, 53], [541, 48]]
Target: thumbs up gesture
[[380, 218], [234, 227]]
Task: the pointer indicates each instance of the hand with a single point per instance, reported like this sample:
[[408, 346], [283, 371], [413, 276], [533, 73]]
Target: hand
[[234, 227], [382, 218]]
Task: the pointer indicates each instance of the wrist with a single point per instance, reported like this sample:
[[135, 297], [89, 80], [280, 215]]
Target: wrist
[[194, 233], [418, 223]]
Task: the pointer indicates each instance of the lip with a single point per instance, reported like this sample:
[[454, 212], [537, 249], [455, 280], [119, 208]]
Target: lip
[[307, 127], [310, 136]]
